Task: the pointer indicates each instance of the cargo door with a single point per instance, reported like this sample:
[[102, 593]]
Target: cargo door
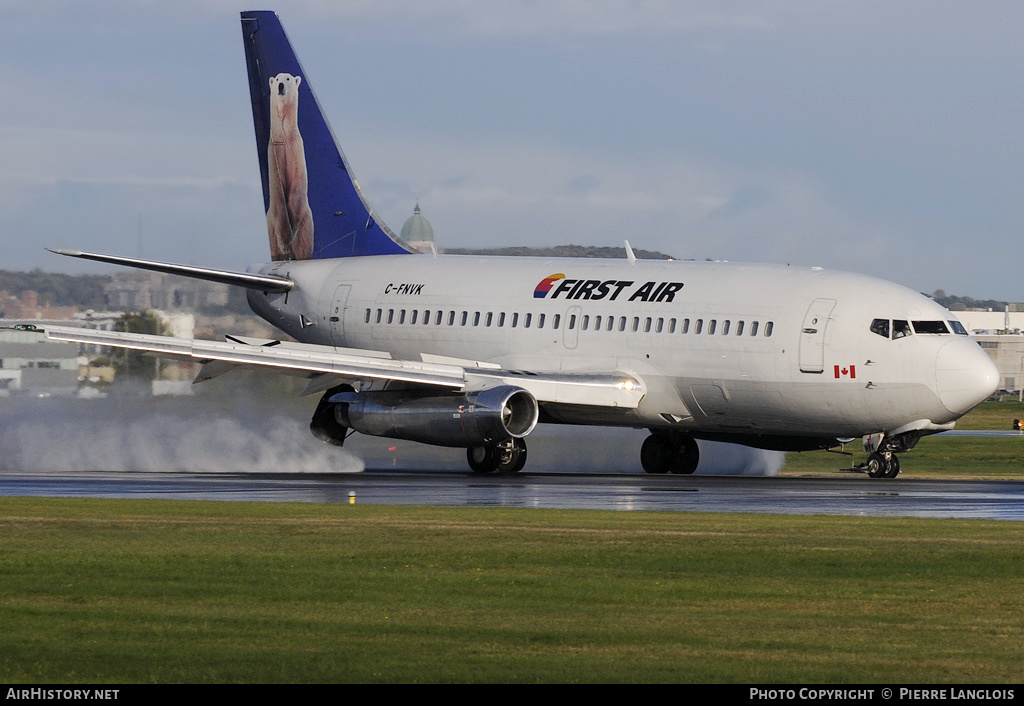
[[337, 317]]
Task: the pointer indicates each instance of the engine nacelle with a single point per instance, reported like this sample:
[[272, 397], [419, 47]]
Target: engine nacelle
[[478, 418]]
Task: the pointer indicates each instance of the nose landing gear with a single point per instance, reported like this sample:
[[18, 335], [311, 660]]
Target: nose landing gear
[[883, 465]]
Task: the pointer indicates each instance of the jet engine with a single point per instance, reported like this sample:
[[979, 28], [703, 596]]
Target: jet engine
[[482, 418]]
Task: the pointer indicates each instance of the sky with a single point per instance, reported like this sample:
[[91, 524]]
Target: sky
[[875, 137]]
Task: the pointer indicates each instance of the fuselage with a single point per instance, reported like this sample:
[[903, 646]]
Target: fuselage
[[722, 348]]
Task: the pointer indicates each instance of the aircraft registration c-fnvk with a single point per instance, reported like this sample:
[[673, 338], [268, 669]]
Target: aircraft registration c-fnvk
[[473, 352]]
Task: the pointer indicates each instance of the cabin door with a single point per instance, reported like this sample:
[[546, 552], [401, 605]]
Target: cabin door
[[812, 335]]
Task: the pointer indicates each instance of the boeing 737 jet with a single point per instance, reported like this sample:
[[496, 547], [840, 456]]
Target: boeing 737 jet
[[474, 352]]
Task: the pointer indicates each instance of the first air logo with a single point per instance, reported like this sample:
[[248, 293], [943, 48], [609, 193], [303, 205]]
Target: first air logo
[[556, 285]]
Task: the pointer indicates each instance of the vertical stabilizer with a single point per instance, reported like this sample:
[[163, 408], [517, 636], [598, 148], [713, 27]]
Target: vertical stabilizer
[[314, 208]]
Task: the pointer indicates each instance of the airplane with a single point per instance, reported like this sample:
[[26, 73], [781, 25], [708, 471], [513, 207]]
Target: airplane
[[475, 351]]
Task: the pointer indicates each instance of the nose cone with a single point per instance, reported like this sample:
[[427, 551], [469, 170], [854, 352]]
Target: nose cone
[[965, 375]]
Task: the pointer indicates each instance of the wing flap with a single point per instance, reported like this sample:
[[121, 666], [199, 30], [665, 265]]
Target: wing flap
[[589, 389]]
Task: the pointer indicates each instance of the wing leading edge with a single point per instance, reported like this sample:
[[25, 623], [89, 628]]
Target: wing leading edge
[[327, 366]]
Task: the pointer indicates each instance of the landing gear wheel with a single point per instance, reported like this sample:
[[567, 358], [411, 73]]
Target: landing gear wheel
[[657, 453], [483, 459], [894, 467], [687, 456], [511, 456], [662, 453], [878, 466]]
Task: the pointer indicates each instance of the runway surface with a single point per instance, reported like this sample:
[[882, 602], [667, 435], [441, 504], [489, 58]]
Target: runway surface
[[846, 494]]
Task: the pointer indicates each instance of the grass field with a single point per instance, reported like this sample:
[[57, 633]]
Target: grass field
[[993, 415], [130, 591], [939, 456], [140, 591]]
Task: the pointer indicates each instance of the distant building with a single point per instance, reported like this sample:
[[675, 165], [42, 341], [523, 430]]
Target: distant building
[[1001, 335], [140, 290], [30, 363], [26, 306], [418, 233]]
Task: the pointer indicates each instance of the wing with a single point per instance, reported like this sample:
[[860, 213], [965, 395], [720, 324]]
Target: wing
[[326, 366]]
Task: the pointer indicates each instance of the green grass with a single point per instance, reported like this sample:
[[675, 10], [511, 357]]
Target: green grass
[[993, 415], [129, 591]]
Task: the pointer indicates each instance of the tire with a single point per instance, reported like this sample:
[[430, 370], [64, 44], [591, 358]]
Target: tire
[[877, 466], [687, 456], [657, 454], [511, 458], [482, 459]]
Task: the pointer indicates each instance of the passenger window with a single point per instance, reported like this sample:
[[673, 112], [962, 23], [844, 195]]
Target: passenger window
[[711, 327], [881, 327], [501, 319], [465, 318], [768, 328], [671, 325], [685, 328], [488, 319], [476, 318], [725, 328], [699, 326], [739, 328], [622, 323], [572, 321], [647, 325], [540, 320], [451, 318], [585, 323], [556, 321], [367, 319], [527, 320], [900, 328], [753, 328], [391, 316], [515, 319], [412, 319], [378, 315]]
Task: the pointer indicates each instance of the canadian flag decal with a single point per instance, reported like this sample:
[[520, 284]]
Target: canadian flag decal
[[846, 371]]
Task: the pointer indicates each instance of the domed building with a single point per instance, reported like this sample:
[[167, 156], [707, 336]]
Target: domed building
[[418, 233]]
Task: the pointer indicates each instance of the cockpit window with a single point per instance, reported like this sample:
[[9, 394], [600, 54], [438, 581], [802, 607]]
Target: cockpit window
[[881, 327], [900, 328], [930, 327], [958, 328]]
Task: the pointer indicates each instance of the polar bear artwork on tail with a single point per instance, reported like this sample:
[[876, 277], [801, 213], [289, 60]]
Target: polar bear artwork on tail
[[289, 219]]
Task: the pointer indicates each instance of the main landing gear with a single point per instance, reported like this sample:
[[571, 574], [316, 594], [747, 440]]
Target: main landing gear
[[669, 453], [882, 464], [507, 457]]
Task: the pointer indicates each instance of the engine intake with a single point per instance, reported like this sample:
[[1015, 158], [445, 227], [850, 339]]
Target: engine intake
[[478, 418]]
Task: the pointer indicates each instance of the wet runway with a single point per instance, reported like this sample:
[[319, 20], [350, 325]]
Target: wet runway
[[845, 494]]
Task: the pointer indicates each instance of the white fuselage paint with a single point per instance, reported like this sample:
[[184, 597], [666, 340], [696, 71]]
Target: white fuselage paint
[[820, 372]]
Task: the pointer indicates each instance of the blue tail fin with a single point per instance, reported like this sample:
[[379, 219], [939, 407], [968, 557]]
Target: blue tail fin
[[314, 208]]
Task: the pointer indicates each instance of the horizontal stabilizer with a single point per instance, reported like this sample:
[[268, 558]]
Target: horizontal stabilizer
[[263, 283]]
